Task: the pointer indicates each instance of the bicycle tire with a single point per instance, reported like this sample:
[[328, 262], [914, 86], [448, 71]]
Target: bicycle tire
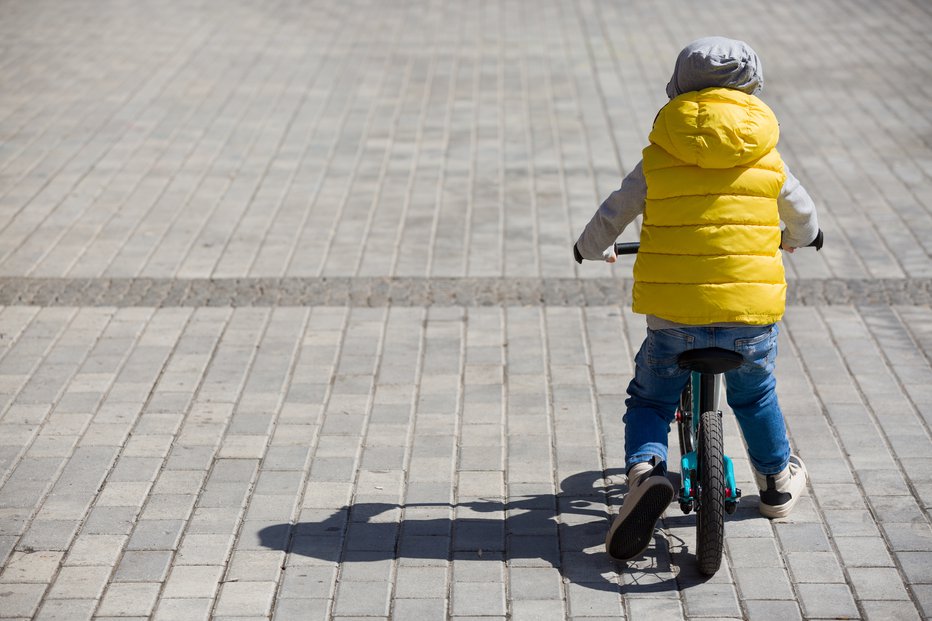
[[710, 516]]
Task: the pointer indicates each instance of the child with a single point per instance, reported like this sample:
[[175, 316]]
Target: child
[[712, 189]]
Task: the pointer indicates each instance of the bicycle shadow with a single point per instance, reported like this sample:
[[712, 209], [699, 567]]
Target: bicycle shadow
[[565, 531]]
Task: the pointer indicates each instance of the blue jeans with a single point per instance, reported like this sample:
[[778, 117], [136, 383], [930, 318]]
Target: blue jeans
[[751, 392]]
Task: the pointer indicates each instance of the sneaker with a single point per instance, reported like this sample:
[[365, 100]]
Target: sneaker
[[649, 494], [779, 492]]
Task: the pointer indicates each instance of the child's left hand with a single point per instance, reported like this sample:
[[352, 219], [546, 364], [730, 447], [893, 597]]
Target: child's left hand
[[609, 254]]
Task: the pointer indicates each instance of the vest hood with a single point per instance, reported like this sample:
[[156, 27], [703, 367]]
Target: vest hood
[[716, 128], [716, 61]]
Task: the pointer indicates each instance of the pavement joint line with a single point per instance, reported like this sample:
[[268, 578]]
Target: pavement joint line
[[410, 291]]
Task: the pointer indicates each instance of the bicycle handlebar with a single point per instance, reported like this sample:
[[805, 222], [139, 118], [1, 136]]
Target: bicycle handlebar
[[632, 247]]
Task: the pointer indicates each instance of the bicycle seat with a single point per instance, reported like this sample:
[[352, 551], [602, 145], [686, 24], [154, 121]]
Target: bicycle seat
[[710, 360]]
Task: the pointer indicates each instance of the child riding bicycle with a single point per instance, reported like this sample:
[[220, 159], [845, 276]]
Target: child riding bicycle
[[713, 190]]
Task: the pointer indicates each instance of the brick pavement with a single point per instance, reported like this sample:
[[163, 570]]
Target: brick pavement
[[289, 327]]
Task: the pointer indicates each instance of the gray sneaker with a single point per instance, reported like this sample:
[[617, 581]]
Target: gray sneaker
[[649, 494], [780, 492]]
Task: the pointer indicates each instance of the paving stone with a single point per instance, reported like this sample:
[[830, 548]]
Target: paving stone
[[533, 583], [66, 610], [816, 567], [193, 581], [189, 608], [477, 599], [127, 599], [21, 600], [245, 599], [143, 566], [826, 601], [31, 566], [362, 599], [651, 608], [419, 608], [877, 583], [864, 552], [156, 535], [80, 582], [773, 610], [889, 610], [764, 583], [719, 600], [300, 583], [302, 608], [95, 550], [916, 565], [923, 595]]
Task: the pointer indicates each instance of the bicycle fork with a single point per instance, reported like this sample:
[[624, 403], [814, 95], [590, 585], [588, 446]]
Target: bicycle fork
[[705, 392]]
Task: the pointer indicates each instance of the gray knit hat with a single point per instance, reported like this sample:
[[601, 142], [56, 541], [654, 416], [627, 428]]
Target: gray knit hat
[[716, 61]]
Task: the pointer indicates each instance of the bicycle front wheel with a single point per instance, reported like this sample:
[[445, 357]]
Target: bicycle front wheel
[[710, 517]]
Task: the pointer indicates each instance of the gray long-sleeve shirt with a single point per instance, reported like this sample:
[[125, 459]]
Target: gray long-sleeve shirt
[[796, 208]]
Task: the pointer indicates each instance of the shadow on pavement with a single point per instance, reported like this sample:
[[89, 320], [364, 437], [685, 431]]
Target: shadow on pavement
[[524, 531]]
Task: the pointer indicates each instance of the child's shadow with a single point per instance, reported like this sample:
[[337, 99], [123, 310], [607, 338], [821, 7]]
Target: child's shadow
[[564, 530]]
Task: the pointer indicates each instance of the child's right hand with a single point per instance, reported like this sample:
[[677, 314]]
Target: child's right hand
[[609, 254]]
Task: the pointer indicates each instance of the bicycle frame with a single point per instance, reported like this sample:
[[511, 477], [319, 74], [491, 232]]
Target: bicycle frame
[[704, 394]]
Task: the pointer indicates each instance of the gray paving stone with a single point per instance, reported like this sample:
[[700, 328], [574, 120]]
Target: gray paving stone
[[706, 600], [826, 601], [651, 608], [822, 567], [82, 582], [877, 583], [419, 608], [156, 535], [128, 599], [110, 521], [190, 608], [764, 583], [245, 599], [916, 565], [309, 583], [362, 599], [65, 609], [805, 537], [477, 599], [31, 566], [302, 608], [913, 536], [143, 566], [49, 534], [21, 600], [889, 610], [534, 583], [752, 552]]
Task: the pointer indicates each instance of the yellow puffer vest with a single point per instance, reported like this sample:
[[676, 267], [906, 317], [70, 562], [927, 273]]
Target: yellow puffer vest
[[711, 231]]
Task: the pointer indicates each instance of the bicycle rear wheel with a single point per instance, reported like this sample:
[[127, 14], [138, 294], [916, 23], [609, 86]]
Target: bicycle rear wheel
[[710, 516]]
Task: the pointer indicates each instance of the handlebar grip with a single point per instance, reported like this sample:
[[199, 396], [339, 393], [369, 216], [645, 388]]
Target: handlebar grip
[[817, 242], [627, 247]]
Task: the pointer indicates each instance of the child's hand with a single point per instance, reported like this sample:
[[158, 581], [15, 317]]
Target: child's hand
[[790, 249], [609, 254]]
